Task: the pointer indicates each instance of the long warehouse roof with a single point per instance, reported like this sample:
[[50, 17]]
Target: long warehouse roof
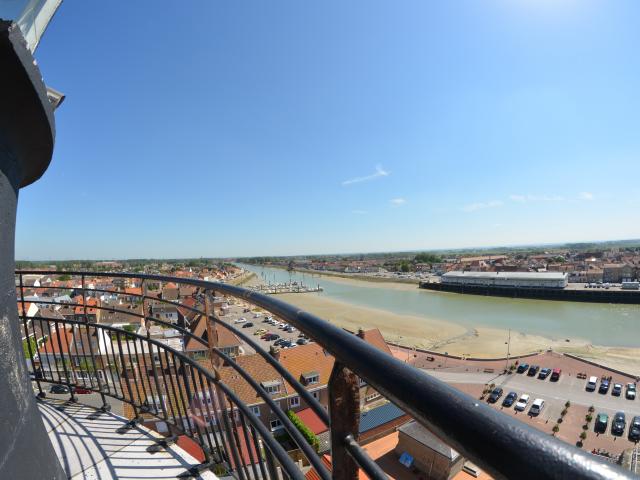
[[510, 275]]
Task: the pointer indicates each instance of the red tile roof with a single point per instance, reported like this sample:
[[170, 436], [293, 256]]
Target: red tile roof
[[311, 420]]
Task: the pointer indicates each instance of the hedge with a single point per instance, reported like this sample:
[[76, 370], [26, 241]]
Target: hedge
[[309, 436]]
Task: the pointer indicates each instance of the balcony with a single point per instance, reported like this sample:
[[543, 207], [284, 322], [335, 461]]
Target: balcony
[[177, 383]]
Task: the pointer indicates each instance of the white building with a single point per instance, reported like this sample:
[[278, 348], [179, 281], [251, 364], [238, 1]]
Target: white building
[[507, 279]]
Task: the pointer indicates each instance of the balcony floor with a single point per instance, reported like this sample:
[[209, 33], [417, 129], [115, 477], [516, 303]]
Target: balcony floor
[[89, 446]]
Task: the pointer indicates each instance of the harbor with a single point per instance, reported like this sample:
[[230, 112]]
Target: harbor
[[279, 288]]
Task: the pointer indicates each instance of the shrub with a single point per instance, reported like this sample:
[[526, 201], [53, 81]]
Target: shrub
[[560, 420], [579, 444], [583, 435], [308, 435], [591, 409], [568, 404], [585, 427], [556, 428], [563, 412], [588, 418]]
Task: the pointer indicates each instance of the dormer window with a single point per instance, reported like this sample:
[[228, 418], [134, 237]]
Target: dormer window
[[311, 378], [272, 387]]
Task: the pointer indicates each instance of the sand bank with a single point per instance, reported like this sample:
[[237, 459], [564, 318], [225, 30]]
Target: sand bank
[[442, 336]]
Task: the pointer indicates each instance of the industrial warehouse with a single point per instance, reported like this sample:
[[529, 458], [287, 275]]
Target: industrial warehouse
[[507, 279]]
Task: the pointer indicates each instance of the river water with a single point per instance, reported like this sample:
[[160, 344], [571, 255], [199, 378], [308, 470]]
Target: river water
[[601, 324]]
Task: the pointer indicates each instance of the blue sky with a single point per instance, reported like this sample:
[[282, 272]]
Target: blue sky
[[268, 128]]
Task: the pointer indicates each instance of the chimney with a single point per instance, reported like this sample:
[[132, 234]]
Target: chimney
[[360, 333], [274, 352]]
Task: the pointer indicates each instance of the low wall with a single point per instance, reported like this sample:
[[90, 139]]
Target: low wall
[[619, 372], [563, 294]]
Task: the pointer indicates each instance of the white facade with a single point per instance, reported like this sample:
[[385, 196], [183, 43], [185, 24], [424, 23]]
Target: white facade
[[507, 279]]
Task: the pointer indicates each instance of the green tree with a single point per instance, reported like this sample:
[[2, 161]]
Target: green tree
[[425, 257]]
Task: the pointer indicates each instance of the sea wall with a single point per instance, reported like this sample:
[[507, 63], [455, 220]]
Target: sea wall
[[564, 294]]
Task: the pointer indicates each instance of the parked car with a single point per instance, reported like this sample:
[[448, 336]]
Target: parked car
[[267, 334], [591, 384], [495, 395], [604, 386], [302, 341], [536, 408], [555, 375], [273, 336], [246, 310], [240, 320], [634, 429], [82, 391], [59, 389], [523, 367], [260, 331], [533, 370], [290, 329], [602, 420], [631, 391], [280, 341], [257, 315], [247, 325], [522, 402], [544, 373], [618, 424], [509, 399], [617, 389]]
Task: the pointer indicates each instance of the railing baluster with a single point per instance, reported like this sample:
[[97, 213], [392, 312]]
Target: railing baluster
[[344, 409], [196, 401], [187, 405], [125, 373], [25, 321], [257, 444], [229, 435], [112, 359], [169, 399], [247, 441], [145, 378], [64, 363], [217, 411]]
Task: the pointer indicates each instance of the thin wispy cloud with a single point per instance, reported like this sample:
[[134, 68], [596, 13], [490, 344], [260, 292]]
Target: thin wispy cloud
[[380, 172], [396, 202], [359, 212], [536, 198], [585, 196], [473, 207]]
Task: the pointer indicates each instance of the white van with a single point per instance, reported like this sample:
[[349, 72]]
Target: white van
[[591, 384], [536, 408]]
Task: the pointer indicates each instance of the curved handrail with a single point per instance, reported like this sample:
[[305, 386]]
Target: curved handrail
[[277, 450], [505, 447], [300, 390]]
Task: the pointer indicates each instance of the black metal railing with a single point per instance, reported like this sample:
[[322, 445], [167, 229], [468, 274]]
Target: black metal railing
[[157, 380]]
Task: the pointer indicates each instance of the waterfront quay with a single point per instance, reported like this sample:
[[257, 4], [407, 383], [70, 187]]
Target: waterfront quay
[[572, 292]]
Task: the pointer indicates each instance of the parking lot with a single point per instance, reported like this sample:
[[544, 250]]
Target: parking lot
[[555, 394], [253, 324]]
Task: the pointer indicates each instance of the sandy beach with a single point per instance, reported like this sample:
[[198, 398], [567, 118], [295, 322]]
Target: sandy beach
[[444, 336]]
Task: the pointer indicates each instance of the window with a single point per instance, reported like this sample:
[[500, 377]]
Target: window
[[275, 424], [361, 382], [316, 394], [294, 402], [272, 386], [372, 397], [255, 411], [311, 378]]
